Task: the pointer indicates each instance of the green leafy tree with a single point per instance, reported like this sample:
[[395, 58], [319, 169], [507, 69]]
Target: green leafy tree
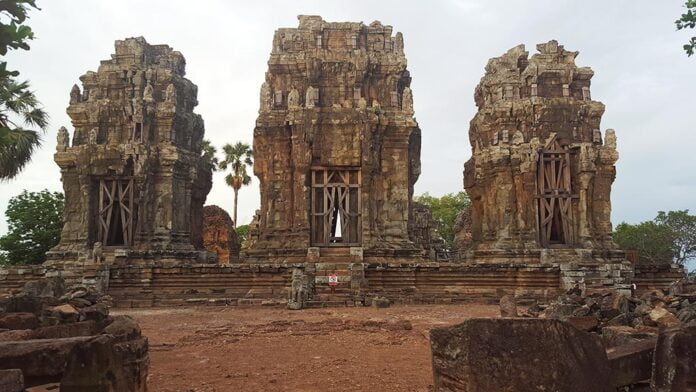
[[14, 34], [445, 210], [683, 227], [20, 111], [208, 152], [688, 21], [654, 242], [242, 233], [35, 220], [237, 159]]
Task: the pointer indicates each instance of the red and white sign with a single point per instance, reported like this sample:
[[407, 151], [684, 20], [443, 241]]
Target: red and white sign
[[333, 280]]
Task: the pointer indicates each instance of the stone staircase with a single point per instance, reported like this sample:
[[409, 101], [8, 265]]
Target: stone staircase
[[333, 261]]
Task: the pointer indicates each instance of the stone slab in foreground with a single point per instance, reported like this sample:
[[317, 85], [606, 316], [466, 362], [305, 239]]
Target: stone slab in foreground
[[517, 355]]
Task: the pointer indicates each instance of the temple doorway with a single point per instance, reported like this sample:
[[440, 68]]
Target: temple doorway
[[115, 212], [335, 211], [555, 196]]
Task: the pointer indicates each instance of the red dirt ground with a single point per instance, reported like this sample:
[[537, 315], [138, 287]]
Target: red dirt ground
[[215, 349]]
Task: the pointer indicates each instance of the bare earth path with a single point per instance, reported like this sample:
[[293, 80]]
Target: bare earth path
[[218, 349]]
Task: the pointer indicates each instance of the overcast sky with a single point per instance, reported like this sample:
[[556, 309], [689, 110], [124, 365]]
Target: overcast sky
[[642, 75]]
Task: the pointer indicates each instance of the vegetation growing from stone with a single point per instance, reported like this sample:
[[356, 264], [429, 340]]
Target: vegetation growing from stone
[[237, 158], [20, 111], [35, 220], [670, 237], [445, 210], [688, 21]]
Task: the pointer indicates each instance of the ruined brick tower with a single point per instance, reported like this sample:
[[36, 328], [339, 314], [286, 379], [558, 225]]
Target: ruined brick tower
[[541, 171], [134, 179], [337, 149]]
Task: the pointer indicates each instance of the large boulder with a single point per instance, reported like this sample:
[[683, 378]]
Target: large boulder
[[674, 362], [518, 355]]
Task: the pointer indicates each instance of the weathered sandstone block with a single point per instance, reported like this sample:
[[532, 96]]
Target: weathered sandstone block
[[517, 355]]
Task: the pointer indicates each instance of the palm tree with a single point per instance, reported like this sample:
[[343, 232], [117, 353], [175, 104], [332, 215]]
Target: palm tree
[[17, 144], [237, 158], [208, 152]]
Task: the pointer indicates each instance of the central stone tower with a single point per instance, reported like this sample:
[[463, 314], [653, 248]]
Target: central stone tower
[[337, 149]]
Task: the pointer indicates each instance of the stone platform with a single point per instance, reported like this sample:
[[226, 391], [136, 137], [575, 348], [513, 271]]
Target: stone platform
[[172, 284]]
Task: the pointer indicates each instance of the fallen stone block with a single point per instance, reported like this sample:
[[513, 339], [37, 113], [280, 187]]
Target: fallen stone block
[[663, 318], [19, 321], [102, 364], [518, 355], [42, 360], [584, 323], [631, 363], [674, 362], [11, 380], [614, 336]]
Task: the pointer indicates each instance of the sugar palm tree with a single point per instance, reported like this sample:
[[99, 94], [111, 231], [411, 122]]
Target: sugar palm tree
[[208, 152], [237, 158], [17, 144]]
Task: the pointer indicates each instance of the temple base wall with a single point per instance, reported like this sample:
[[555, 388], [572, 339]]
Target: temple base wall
[[169, 283]]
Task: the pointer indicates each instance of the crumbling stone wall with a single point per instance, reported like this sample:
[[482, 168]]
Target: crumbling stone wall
[[526, 105], [336, 96], [136, 146], [219, 236]]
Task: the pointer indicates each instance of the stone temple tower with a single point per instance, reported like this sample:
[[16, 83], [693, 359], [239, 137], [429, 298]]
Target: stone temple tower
[[337, 149], [541, 171], [133, 177]]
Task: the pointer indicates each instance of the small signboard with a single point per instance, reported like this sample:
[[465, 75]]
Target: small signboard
[[333, 280]]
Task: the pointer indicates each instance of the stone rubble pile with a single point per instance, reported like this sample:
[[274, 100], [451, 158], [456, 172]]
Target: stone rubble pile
[[606, 312], [52, 335], [646, 343]]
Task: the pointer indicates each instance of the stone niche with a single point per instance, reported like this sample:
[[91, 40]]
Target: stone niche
[[336, 145], [133, 176], [541, 170]]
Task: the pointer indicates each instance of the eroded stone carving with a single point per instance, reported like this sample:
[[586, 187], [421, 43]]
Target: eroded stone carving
[[300, 289], [293, 99], [62, 140]]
